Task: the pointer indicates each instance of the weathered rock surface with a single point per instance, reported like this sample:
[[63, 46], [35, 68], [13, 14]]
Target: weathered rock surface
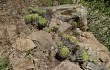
[[62, 26], [66, 65], [43, 38], [23, 44], [23, 64], [69, 12]]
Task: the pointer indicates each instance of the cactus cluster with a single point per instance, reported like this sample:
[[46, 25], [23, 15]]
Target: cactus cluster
[[33, 10], [34, 16], [30, 18], [84, 55], [63, 52]]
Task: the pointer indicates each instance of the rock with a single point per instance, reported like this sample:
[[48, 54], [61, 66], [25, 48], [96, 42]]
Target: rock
[[68, 12], [66, 65], [23, 44], [62, 26], [92, 66], [65, 27], [11, 30], [43, 38], [23, 64], [99, 51]]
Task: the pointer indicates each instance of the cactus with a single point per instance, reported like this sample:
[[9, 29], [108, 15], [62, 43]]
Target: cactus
[[63, 52], [60, 44], [73, 39], [33, 10], [84, 55], [65, 36], [30, 18], [41, 22]]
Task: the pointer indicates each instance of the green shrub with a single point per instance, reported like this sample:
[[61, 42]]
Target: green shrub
[[63, 52]]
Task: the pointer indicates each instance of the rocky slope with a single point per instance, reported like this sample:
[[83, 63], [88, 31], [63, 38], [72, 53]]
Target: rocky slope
[[30, 48]]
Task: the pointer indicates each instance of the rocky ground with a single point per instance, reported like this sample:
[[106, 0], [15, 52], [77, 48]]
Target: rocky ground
[[29, 47]]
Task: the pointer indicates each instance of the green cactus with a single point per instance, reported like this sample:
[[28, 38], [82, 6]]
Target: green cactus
[[60, 44], [65, 36], [73, 39], [33, 10], [41, 21], [84, 55], [63, 52], [30, 18]]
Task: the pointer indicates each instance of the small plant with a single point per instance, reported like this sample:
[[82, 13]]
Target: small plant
[[29, 54], [84, 55], [73, 39], [33, 10], [60, 44], [41, 22], [30, 18], [63, 52], [4, 64], [65, 36], [47, 29]]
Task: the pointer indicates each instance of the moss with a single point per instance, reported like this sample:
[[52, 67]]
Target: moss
[[63, 52], [33, 10], [84, 55], [73, 39], [47, 29]]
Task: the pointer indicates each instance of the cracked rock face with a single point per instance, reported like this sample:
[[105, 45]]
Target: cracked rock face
[[66, 65], [23, 44]]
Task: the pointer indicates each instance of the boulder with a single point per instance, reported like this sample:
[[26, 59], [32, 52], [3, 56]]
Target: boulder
[[23, 64], [100, 51], [67, 65], [43, 38], [62, 26], [23, 44]]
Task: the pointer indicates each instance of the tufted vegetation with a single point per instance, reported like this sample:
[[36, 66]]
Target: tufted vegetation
[[63, 52], [33, 10], [31, 18], [84, 55]]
